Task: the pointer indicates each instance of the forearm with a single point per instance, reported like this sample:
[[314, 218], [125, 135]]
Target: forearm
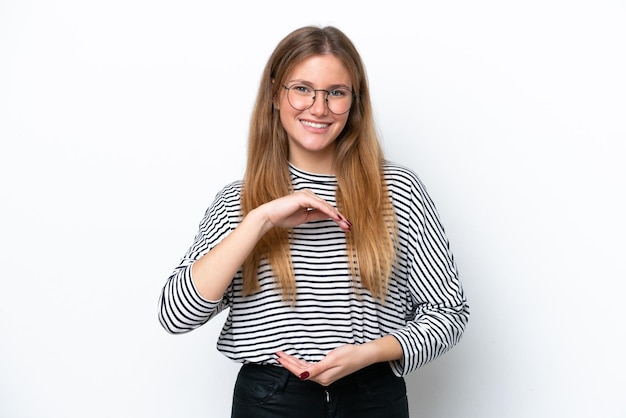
[[213, 272], [435, 331], [383, 349]]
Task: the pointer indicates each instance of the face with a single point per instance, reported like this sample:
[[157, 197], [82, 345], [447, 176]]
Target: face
[[312, 132]]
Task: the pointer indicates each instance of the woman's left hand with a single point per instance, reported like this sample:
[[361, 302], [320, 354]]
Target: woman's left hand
[[343, 360], [340, 362]]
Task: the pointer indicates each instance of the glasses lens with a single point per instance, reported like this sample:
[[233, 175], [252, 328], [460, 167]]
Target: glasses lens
[[339, 101], [301, 97]]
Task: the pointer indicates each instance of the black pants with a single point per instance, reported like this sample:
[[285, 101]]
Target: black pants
[[273, 392]]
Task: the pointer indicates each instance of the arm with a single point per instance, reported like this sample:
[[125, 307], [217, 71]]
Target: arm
[[181, 307], [437, 313], [213, 272], [440, 311], [194, 292]]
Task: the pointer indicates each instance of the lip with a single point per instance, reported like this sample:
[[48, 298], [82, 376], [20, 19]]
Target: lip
[[315, 125]]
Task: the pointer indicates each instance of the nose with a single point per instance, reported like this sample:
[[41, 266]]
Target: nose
[[320, 106]]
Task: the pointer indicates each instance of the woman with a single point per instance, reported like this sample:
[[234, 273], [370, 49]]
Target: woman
[[332, 261]]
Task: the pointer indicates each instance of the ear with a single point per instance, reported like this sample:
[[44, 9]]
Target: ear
[[275, 103]]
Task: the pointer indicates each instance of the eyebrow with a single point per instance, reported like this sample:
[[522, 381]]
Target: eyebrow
[[308, 83]]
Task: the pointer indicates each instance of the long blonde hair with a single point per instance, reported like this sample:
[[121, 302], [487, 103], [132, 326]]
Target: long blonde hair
[[358, 168]]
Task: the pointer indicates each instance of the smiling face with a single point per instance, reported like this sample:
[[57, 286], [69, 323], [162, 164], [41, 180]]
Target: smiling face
[[312, 132]]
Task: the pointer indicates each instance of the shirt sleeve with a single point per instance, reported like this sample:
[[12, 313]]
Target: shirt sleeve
[[181, 307], [439, 310]]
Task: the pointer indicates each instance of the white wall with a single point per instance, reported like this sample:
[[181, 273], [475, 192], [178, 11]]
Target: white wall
[[120, 120]]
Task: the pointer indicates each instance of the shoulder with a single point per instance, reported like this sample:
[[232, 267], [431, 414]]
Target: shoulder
[[228, 196], [405, 187], [231, 190], [400, 176]]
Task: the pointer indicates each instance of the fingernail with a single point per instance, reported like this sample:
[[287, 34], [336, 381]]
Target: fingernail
[[343, 218], [304, 376]]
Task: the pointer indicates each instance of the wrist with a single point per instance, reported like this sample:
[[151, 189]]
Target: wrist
[[259, 219], [383, 349]]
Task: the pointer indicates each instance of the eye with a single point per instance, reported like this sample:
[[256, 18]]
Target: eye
[[338, 93], [301, 89]]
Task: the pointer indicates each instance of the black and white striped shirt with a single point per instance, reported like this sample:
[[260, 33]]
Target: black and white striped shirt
[[425, 308]]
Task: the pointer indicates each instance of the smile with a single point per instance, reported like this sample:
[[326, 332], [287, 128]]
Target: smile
[[315, 124]]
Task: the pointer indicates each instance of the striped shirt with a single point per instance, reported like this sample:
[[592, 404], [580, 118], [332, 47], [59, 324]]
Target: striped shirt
[[425, 308]]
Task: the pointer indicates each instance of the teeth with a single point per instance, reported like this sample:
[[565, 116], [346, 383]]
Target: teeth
[[314, 125]]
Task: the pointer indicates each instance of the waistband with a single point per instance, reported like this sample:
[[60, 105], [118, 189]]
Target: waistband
[[372, 371]]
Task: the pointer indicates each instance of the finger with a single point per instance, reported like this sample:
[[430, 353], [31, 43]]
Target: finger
[[339, 219], [317, 369], [319, 207], [287, 358], [293, 364], [313, 201]]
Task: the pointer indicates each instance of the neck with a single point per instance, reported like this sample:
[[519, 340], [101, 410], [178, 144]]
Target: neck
[[315, 167], [314, 164]]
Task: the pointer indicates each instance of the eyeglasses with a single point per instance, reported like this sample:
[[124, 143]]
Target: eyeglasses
[[302, 97]]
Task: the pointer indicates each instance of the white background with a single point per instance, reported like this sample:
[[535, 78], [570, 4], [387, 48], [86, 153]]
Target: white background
[[120, 120]]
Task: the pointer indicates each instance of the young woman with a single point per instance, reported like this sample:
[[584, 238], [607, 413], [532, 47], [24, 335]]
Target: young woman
[[331, 261]]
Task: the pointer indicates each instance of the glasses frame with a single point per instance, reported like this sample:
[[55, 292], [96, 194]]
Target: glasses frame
[[353, 97]]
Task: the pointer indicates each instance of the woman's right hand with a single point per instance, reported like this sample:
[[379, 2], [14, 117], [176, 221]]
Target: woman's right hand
[[299, 208]]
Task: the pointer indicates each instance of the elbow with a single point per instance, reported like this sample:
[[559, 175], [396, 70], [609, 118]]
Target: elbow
[[167, 326], [170, 324]]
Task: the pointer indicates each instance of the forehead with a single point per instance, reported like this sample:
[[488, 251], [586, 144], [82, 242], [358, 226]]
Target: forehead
[[321, 70]]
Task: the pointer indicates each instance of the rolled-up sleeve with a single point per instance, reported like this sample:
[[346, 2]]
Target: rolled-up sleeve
[[439, 310], [181, 307]]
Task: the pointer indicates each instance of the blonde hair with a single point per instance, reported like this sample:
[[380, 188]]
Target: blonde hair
[[358, 168]]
